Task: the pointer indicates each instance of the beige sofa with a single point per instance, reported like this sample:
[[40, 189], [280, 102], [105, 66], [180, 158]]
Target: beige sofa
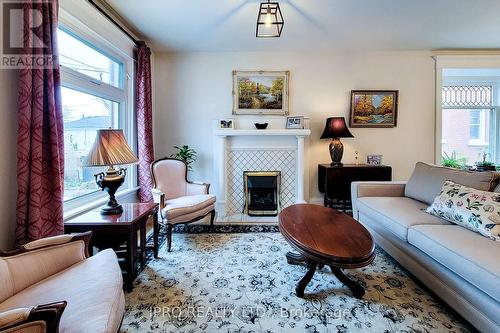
[[460, 266], [53, 284]]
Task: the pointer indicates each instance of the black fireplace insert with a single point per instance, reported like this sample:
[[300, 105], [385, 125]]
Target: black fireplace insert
[[262, 193]]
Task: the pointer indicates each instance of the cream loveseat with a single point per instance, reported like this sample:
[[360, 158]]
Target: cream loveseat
[[55, 275], [460, 266]]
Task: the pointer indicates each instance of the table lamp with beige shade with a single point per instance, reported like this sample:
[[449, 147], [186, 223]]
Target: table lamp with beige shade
[[110, 149]]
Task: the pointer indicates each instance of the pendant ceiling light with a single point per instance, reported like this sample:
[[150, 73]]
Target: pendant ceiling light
[[269, 20]]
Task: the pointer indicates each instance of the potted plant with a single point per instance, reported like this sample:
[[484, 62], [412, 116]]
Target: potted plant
[[186, 154], [452, 161], [485, 165]]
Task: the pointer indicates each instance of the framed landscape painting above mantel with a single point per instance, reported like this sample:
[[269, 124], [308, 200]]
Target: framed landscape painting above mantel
[[373, 108], [260, 92]]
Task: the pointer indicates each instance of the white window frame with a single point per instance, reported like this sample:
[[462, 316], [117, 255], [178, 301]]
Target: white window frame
[[125, 96], [450, 59]]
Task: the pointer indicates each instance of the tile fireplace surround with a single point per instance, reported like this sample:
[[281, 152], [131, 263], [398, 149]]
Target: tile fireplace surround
[[275, 149]]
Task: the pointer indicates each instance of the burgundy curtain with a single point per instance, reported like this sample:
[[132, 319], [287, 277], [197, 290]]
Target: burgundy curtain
[[143, 102], [40, 151]]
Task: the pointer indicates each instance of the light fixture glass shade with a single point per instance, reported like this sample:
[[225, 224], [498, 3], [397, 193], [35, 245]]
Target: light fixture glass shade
[[110, 148], [269, 20]]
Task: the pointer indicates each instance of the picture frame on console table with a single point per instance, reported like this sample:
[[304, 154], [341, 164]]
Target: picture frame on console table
[[374, 108], [374, 159], [260, 92]]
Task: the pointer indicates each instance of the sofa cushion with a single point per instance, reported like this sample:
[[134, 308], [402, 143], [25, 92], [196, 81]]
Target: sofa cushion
[[186, 205], [467, 254], [397, 214], [92, 288], [426, 181], [473, 209]]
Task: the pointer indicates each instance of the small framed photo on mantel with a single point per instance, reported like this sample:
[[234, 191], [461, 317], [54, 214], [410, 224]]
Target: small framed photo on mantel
[[296, 122], [227, 123]]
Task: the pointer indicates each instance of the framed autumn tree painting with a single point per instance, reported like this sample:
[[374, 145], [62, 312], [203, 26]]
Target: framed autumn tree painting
[[260, 92], [374, 108]]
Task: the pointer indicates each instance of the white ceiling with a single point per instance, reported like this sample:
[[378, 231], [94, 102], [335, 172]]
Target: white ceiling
[[316, 25]]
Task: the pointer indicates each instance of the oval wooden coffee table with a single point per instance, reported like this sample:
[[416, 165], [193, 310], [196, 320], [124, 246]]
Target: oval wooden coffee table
[[325, 236]]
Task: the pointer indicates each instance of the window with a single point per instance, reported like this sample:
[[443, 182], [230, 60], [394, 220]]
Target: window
[[94, 96], [83, 58], [467, 110], [475, 124]]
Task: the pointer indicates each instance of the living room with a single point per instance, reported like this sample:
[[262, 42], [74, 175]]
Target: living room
[[250, 166]]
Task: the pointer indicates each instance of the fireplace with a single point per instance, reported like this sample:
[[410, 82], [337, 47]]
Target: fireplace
[[262, 193]]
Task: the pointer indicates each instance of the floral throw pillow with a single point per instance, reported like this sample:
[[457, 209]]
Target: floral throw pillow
[[473, 209]]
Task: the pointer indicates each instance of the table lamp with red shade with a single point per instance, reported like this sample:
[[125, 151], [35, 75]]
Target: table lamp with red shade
[[336, 128]]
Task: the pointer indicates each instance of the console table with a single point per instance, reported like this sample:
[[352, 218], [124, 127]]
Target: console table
[[335, 181], [112, 231]]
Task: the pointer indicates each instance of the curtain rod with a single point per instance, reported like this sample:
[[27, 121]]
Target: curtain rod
[[118, 25]]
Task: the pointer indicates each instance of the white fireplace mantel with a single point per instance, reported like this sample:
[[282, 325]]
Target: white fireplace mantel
[[269, 135], [266, 132]]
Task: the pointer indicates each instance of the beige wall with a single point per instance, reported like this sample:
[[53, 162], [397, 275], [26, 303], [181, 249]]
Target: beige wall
[[193, 89], [8, 144]]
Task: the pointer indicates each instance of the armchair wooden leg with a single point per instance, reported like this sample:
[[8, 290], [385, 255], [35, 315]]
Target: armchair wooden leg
[[169, 236], [212, 217]]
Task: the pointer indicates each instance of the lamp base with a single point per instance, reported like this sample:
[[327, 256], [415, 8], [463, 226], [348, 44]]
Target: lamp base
[[336, 152], [108, 210], [111, 181], [337, 164]]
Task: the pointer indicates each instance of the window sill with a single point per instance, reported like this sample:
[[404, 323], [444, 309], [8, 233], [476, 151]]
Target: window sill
[[477, 143], [99, 202]]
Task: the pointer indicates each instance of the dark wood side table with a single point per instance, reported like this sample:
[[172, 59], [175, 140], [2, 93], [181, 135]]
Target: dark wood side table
[[335, 181], [112, 231]]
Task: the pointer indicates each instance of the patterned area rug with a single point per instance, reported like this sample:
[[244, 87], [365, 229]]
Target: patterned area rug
[[240, 282]]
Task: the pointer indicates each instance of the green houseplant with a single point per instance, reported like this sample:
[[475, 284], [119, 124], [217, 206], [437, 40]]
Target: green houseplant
[[485, 165], [452, 161], [186, 154]]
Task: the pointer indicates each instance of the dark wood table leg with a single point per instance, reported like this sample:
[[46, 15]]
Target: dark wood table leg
[[295, 258], [130, 269], [143, 243], [301, 286], [357, 290], [156, 233]]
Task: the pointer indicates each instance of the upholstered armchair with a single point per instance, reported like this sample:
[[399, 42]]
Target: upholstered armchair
[[180, 200]]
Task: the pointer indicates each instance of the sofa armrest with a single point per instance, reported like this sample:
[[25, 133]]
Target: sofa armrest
[[41, 259], [378, 189], [41, 318], [195, 187], [375, 189], [49, 242]]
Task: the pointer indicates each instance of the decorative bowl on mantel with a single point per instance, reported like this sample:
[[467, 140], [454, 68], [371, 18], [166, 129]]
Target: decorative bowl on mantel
[[261, 126]]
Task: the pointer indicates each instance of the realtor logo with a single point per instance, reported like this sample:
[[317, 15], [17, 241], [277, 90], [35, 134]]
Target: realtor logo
[[22, 35]]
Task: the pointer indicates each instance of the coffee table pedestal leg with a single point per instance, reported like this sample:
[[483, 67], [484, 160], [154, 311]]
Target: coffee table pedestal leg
[[301, 286], [295, 258], [357, 290]]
